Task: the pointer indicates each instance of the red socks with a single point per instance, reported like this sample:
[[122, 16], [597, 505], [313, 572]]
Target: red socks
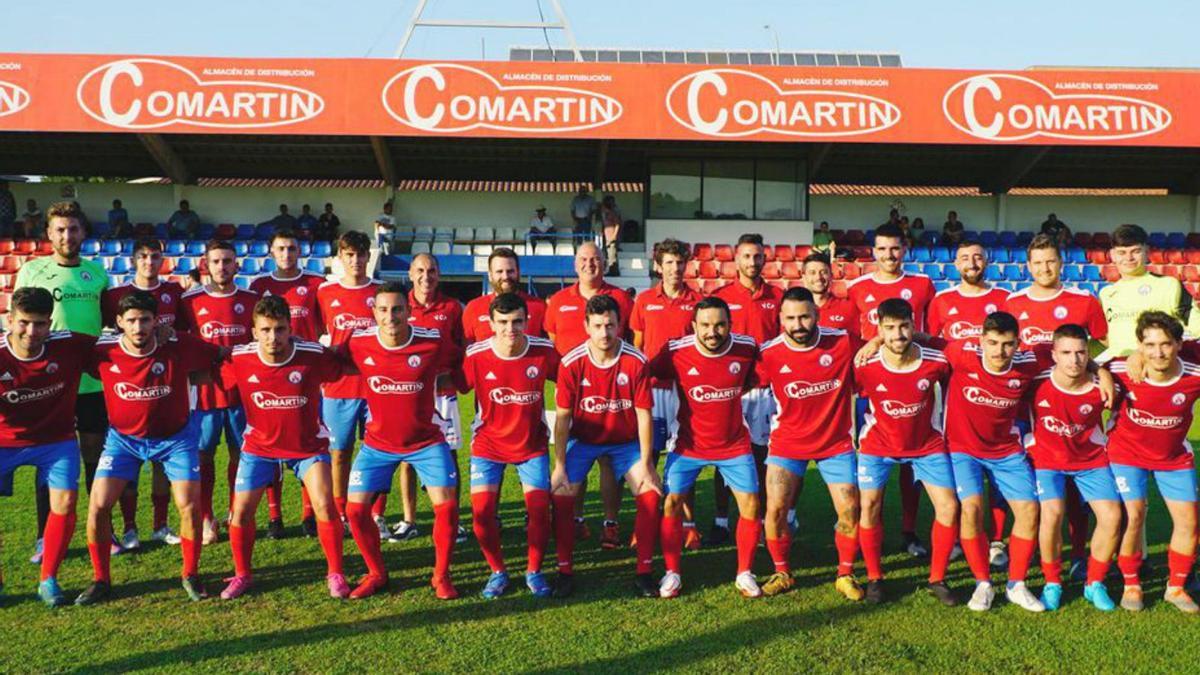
[[847, 550], [564, 532], [161, 502], [275, 499], [128, 502], [208, 481], [306, 507], [241, 544], [870, 539], [190, 548], [975, 550], [1178, 567], [59, 528], [780, 550], [1052, 571], [445, 529], [1097, 570], [748, 531], [941, 543], [645, 528], [1129, 565], [487, 532], [1020, 552], [366, 536], [330, 533], [380, 506], [339, 503], [671, 536], [100, 554], [910, 499], [537, 534], [999, 510], [231, 482]]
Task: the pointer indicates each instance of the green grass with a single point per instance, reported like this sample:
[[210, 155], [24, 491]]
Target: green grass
[[288, 623]]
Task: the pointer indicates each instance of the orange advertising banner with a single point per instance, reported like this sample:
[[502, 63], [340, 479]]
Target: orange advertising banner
[[164, 94]]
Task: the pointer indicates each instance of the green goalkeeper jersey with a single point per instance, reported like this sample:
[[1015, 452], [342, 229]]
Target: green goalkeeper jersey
[[77, 290], [1125, 300]]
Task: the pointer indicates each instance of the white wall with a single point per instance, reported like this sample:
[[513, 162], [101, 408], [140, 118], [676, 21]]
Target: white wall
[[727, 231]]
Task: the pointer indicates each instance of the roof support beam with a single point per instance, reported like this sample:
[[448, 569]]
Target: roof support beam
[[383, 157], [167, 159], [1020, 164], [601, 166], [817, 154]]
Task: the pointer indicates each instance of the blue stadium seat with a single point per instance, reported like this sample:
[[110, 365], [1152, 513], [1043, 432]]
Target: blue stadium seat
[[989, 238], [245, 232], [941, 285], [952, 273], [195, 247], [205, 231], [241, 248], [1088, 286], [1177, 240], [322, 249], [112, 247], [943, 254], [268, 265], [998, 255], [1076, 256], [127, 246], [259, 248], [305, 249], [971, 236], [1072, 273], [1157, 240], [933, 271], [911, 268], [315, 265], [264, 231], [251, 265], [1092, 273], [242, 281], [994, 273], [116, 279], [161, 231], [185, 265], [91, 247], [101, 229], [1018, 255], [175, 247], [922, 254], [119, 266], [1014, 273], [1023, 238], [1007, 239], [930, 238]]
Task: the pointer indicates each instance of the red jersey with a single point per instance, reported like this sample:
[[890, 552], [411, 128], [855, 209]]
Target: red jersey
[[565, 315], [37, 396], [711, 424], [813, 387], [903, 419], [866, 293], [1068, 433], [510, 425], [954, 315], [283, 400], [476, 324], [344, 310], [1039, 318], [225, 320], [660, 319], [301, 296], [603, 399], [443, 314], [1150, 428], [167, 293], [982, 406], [399, 387], [147, 395], [840, 314], [754, 313]]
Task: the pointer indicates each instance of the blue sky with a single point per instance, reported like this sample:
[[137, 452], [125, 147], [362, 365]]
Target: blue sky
[[936, 33]]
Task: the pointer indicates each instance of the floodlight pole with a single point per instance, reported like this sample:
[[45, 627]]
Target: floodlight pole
[[775, 34], [561, 24]]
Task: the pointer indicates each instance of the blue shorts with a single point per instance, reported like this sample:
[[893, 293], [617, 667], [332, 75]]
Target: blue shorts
[[533, 472], [1177, 485], [57, 465], [255, 471], [934, 469], [740, 473], [581, 456], [123, 455], [345, 418], [212, 422], [837, 469], [373, 469], [1094, 484], [1011, 474]]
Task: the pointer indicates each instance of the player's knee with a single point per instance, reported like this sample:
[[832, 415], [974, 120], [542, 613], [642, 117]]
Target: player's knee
[[1024, 511], [972, 510], [672, 506], [1108, 516], [1052, 511]]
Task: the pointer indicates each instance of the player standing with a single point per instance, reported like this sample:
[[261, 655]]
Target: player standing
[[1139, 291], [504, 276], [957, 313], [816, 274]]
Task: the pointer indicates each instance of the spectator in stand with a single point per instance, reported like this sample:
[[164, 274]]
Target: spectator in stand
[[33, 221], [118, 221], [541, 226], [8, 210], [283, 219], [183, 223], [916, 231], [385, 228], [583, 208], [327, 224], [306, 220], [823, 240], [904, 226], [953, 229], [611, 222], [893, 218], [1056, 230]]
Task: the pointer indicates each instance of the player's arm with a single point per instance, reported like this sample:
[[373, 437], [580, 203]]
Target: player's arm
[[639, 339], [645, 425], [562, 431]]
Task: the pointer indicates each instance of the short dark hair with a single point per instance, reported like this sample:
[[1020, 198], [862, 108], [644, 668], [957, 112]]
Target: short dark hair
[[354, 240], [816, 257], [750, 238], [392, 287], [1129, 235], [967, 243], [148, 243], [503, 252], [797, 294], [1160, 320], [218, 245], [890, 231], [1001, 322], [711, 302], [1043, 241], [673, 247], [1070, 331], [142, 300], [116, 202], [273, 307], [601, 304], [507, 303], [895, 308], [283, 233], [33, 300], [69, 209]]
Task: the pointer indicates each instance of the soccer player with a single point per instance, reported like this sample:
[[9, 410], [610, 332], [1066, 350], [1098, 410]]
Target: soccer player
[[147, 262], [401, 366], [299, 288], [40, 382], [711, 369], [219, 313], [1139, 291], [816, 274], [957, 313], [279, 378], [78, 283], [753, 312], [661, 314], [808, 370], [904, 426], [889, 280], [504, 276], [1068, 440], [1149, 436], [345, 306], [508, 373], [603, 410], [565, 328], [146, 380]]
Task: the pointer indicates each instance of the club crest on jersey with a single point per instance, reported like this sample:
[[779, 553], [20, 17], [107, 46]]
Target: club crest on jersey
[[735, 368], [825, 360], [302, 291], [1014, 384], [906, 294], [923, 384], [158, 368], [294, 377], [371, 302], [1144, 289], [239, 308], [1086, 409], [990, 308], [85, 275], [531, 372], [622, 379], [165, 298], [1060, 312], [1178, 399], [52, 367], [414, 361]]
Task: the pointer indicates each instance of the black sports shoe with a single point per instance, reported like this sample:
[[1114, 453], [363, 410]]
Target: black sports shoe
[[874, 593], [913, 545], [99, 590], [943, 593], [646, 586], [275, 529], [717, 536], [194, 588], [309, 526], [564, 585]]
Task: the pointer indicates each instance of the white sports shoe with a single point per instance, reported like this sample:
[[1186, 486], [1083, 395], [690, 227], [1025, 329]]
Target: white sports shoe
[[385, 533], [1020, 595], [670, 585], [998, 555], [748, 585], [38, 546], [981, 599], [130, 541], [166, 535], [209, 533]]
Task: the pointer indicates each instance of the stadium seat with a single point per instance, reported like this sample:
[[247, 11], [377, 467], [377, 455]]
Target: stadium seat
[[305, 248], [460, 249], [241, 248], [970, 235], [702, 252], [119, 266], [802, 251], [781, 284], [1076, 256], [505, 234], [322, 249], [1157, 240], [484, 234], [790, 269], [242, 281], [260, 248], [989, 239], [867, 268], [168, 266], [183, 266], [723, 252], [9, 264], [443, 233], [1193, 289], [564, 248], [225, 231], [1023, 238], [692, 270], [1092, 273], [952, 273], [1176, 256], [922, 255], [264, 231], [175, 247], [855, 237], [785, 254], [90, 247], [838, 288], [482, 249], [205, 231], [245, 232], [911, 268], [930, 238], [1072, 273], [933, 271], [1191, 273], [111, 247], [1098, 256], [1007, 239], [1177, 240], [728, 269], [940, 286], [268, 265], [1083, 239], [768, 253], [1018, 255], [1156, 268], [850, 271], [1102, 240], [315, 265], [998, 255], [693, 284], [1110, 273], [943, 254], [771, 270], [420, 247], [994, 273], [1157, 257], [195, 247], [711, 285], [440, 248], [708, 269], [543, 248]]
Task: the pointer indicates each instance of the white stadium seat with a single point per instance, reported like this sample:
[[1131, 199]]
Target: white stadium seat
[[461, 249], [483, 249], [444, 234], [423, 233], [420, 247], [483, 234], [464, 234], [440, 248], [543, 248], [564, 248], [504, 234]]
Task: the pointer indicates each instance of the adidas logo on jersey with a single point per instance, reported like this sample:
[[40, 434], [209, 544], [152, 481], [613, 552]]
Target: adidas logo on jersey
[[952, 312], [252, 379], [1024, 316], [6, 377], [881, 388], [693, 371], [1043, 403], [203, 311], [785, 369], [335, 303], [490, 376], [973, 376], [368, 361], [869, 298], [586, 383], [114, 369]]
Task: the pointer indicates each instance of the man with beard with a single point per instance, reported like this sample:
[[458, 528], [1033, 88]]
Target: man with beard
[[504, 275], [816, 274], [957, 313]]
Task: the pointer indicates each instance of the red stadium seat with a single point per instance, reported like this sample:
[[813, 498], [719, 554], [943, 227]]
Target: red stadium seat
[[802, 251], [729, 270], [771, 271], [869, 268], [1158, 269], [1098, 256], [839, 269], [723, 252], [1176, 256], [4, 298], [838, 288], [25, 246], [838, 235], [1193, 289], [695, 285], [790, 270], [855, 237], [796, 283], [1158, 257], [850, 271], [1102, 240], [1110, 273], [702, 252], [711, 286], [769, 253], [6, 246], [168, 264], [1083, 239], [863, 253], [784, 254], [708, 270], [1192, 256], [692, 270], [225, 231], [1191, 273], [9, 264], [7, 282], [781, 284], [44, 247]]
